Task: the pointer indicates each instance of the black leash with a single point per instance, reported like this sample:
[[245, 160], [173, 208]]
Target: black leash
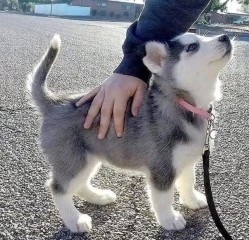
[[207, 185], [210, 199]]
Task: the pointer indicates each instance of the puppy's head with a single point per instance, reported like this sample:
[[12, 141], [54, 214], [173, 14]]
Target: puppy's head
[[190, 62]]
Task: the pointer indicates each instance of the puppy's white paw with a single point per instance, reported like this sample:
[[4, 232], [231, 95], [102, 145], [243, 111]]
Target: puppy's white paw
[[99, 196], [82, 224], [174, 222], [106, 197], [195, 201]]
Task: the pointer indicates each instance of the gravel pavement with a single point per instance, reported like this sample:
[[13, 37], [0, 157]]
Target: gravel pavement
[[90, 51]]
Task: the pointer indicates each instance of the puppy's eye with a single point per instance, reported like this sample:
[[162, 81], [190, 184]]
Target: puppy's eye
[[192, 47]]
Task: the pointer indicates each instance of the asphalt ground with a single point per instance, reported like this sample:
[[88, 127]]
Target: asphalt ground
[[90, 51]]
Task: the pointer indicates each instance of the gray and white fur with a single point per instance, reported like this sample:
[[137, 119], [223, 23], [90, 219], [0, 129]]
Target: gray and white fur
[[163, 142]]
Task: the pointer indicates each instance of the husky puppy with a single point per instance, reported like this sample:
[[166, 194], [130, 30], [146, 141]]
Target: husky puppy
[[164, 141]]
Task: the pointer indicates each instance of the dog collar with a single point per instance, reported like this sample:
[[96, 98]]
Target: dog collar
[[200, 112]]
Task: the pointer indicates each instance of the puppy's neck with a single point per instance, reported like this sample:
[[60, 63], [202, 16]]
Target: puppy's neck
[[202, 92], [199, 94]]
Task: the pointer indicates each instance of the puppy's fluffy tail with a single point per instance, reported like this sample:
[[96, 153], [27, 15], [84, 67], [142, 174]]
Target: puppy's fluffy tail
[[42, 97]]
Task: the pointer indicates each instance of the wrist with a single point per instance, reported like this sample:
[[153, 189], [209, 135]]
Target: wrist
[[132, 66]]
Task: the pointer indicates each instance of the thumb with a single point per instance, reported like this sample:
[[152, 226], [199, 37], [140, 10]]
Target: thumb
[[89, 95]]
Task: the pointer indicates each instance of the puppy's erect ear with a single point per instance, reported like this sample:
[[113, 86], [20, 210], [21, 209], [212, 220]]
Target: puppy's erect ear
[[155, 55]]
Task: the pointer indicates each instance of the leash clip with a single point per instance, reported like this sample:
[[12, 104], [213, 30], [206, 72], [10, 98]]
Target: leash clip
[[206, 144], [209, 130]]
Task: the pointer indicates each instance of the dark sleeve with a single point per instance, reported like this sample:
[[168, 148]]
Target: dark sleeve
[[160, 20]]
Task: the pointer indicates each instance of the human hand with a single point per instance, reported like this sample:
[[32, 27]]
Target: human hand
[[111, 99]]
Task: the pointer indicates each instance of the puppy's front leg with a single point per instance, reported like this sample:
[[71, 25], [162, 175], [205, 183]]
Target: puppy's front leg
[[162, 202], [185, 185]]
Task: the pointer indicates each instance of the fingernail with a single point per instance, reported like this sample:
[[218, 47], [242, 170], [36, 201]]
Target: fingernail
[[100, 136], [86, 125], [135, 112], [119, 135]]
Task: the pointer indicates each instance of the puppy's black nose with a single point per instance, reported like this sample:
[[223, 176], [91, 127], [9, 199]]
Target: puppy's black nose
[[224, 38]]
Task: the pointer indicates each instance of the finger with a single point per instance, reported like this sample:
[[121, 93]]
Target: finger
[[119, 110], [105, 117], [89, 95], [137, 101], [94, 109]]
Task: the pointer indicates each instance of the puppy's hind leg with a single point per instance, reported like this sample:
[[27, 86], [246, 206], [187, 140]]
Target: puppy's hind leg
[[72, 218], [90, 193], [185, 185]]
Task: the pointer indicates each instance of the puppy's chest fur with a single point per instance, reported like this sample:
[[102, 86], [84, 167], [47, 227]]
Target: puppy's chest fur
[[188, 153]]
